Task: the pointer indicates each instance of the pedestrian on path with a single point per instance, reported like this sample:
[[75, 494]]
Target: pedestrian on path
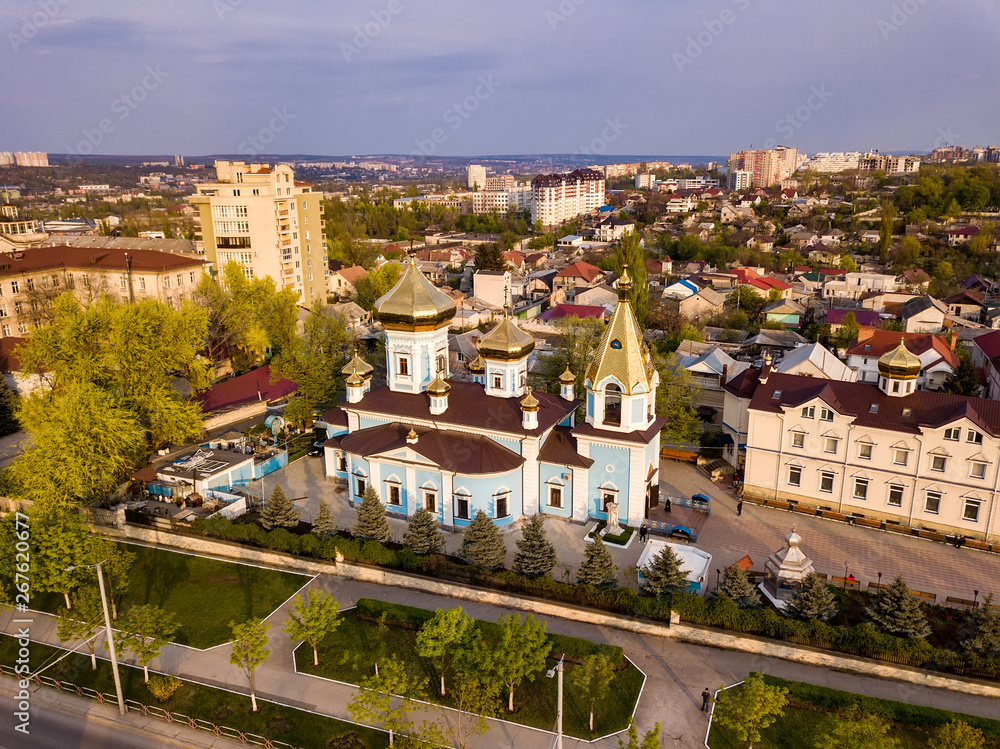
[[739, 507], [666, 505], [643, 532], [706, 698]]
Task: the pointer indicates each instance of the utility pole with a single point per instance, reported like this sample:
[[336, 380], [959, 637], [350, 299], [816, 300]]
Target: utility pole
[[558, 672], [128, 275]]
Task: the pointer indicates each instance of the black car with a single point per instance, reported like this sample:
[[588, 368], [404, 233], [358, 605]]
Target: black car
[[315, 450]]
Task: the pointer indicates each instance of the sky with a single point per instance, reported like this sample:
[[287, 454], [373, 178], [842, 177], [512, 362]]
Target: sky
[[442, 77]]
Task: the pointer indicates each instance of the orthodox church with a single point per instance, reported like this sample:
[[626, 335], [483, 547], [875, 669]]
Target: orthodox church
[[493, 444]]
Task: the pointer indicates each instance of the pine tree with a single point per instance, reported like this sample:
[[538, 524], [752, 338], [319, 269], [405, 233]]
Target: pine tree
[[9, 403], [482, 543], [812, 600], [986, 639], [535, 556], [896, 612], [598, 566], [664, 574], [323, 524], [489, 256], [736, 585], [278, 511], [372, 524], [423, 535]]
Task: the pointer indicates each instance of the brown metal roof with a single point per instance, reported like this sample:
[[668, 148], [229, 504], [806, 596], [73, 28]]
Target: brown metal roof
[[642, 437], [560, 449], [88, 258]]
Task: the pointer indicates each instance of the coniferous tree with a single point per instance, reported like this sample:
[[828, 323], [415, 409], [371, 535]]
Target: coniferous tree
[[896, 612], [8, 409], [489, 256], [812, 600], [737, 586], [535, 556], [664, 574], [986, 640], [323, 524], [372, 524], [278, 511], [598, 566], [482, 543], [423, 535]]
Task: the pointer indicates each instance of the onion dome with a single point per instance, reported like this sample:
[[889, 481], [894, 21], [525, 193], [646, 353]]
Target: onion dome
[[359, 366], [529, 402], [506, 341], [567, 377], [438, 387], [354, 380], [624, 284], [414, 303], [478, 366], [899, 364], [622, 353]]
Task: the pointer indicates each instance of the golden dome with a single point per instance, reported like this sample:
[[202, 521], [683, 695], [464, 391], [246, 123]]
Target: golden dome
[[438, 387], [354, 380], [478, 366], [529, 402], [414, 303], [900, 364], [567, 377], [624, 284], [358, 366], [506, 341], [622, 353]]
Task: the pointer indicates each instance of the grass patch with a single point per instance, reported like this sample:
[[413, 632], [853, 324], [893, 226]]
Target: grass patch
[[619, 539], [347, 656], [203, 594], [295, 727]]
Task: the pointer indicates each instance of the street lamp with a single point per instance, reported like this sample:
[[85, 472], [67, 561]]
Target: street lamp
[[879, 582], [107, 631], [975, 598], [717, 573], [845, 574], [559, 696]]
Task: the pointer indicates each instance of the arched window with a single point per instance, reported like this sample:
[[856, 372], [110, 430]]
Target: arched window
[[613, 404]]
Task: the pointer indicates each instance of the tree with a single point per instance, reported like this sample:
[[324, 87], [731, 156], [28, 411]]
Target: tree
[[483, 544], [250, 650], [849, 330], [520, 652], [676, 399], [573, 348], [371, 524], [848, 264], [745, 298], [144, 630], [651, 740], [964, 380], [80, 622], [957, 735], [374, 702], [737, 586], [323, 524], [664, 574], [422, 533], [376, 284], [116, 563], [897, 612], [944, 271], [985, 638], [278, 511], [475, 700], [9, 405], [440, 634], [592, 679], [813, 599], [886, 229], [598, 566], [535, 556], [489, 256], [750, 708], [312, 618], [58, 541], [632, 254], [858, 730]]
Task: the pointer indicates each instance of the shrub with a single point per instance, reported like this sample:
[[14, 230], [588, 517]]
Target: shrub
[[163, 687]]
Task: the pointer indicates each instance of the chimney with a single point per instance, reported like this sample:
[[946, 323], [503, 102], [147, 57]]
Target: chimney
[[725, 371], [953, 339]]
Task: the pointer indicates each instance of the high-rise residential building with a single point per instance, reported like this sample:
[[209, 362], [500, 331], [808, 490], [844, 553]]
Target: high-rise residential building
[[6, 158], [267, 222], [476, 176], [644, 181], [31, 158], [178, 161], [740, 180], [499, 182], [766, 167], [831, 163], [880, 162], [511, 200], [556, 198]]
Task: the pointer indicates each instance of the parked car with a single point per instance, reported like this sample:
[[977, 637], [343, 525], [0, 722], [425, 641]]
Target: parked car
[[315, 450]]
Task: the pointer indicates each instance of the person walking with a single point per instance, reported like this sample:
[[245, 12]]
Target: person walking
[[706, 698], [643, 532], [739, 507]]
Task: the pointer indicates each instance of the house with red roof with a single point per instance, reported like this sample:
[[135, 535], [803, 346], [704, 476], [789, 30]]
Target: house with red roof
[[962, 235], [579, 275], [253, 387], [936, 354], [575, 310], [343, 283], [986, 354]]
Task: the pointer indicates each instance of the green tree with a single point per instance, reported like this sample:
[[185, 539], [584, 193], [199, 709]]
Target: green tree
[[312, 618], [439, 635], [489, 256], [746, 299], [664, 574], [422, 533], [737, 586], [9, 405], [79, 623], [376, 284], [598, 566], [849, 331], [143, 631], [250, 650], [593, 679], [58, 541], [279, 512], [482, 543], [957, 735], [944, 271], [750, 708], [116, 563], [535, 556], [858, 730], [324, 524], [474, 701], [813, 599], [520, 652], [848, 264], [374, 703], [985, 638], [676, 400], [886, 229], [630, 253], [964, 380], [897, 612], [651, 739], [371, 524], [573, 349]]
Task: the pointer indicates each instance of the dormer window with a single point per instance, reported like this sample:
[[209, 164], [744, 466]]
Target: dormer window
[[809, 412], [873, 409], [953, 434], [826, 415], [776, 395], [974, 437]]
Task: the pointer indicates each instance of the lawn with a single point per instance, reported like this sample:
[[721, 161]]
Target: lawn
[[203, 594], [218, 706], [346, 656]]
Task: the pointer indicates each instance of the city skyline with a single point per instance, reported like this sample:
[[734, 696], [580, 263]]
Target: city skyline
[[398, 77]]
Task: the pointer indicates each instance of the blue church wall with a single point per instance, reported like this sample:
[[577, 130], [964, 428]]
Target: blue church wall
[[483, 490], [430, 478], [371, 421], [547, 472], [590, 403], [637, 411], [356, 464], [511, 443], [618, 459]]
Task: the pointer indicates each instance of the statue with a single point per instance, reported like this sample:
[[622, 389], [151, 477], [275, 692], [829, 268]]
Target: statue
[[613, 528]]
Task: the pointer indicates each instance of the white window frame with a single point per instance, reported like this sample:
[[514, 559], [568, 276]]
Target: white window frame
[[862, 448], [937, 460], [809, 412], [826, 414], [969, 504], [895, 457], [936, 497], [827, 442], [556, 497], [953, 434], [863, 485], [895, 488], [974, 437], [796, 472], [798, 439], [824, 476], [973, 465]]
